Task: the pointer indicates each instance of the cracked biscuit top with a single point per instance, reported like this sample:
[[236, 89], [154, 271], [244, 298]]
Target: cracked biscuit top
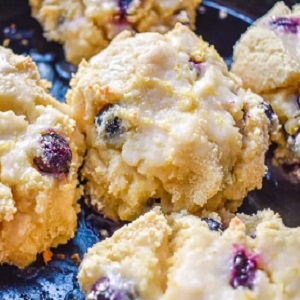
[[40, 153], [166, 123], [86, 26], [267, 58], [183, 257]]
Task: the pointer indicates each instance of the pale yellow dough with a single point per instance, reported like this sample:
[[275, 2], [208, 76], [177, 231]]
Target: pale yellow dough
[[267, 58], [179, 257], [189, 135], [37, 211], [86, 26]]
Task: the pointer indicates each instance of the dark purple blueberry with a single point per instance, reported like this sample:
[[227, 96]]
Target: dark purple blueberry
[[123, 5], [243, 270], [268, 110], [113, 126], [298, 100], [212, 224], [56, 154], [288, 25], [106, 289]]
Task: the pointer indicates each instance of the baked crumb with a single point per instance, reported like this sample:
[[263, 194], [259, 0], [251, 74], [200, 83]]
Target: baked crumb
[[47, 256], [76, 258]]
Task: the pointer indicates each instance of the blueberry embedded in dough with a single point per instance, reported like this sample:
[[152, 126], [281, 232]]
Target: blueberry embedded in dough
[[267, 60], [109, 124], [253, 258], [85, 29], [56, 155], [127, 259], [113, 287], [41, 150], [163, 119], [274, 125], [123, 6], [268, 110], [243, 268], [285, 24], [195, 65], [213, 224]]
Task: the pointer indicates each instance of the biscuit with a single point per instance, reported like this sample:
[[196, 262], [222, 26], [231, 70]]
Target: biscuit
[[267, 58], [166, 123], [183, 257], [86, 26], [267, 55], [40, 153]]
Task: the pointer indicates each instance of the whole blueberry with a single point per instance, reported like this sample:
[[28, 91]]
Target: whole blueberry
[[243, 270], [285, 24], [111, 126], [55, 155], [123, 6], [212, 224], [268, 110], [106, 289]]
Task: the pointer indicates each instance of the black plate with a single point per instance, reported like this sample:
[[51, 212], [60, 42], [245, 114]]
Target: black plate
[[57, 280]]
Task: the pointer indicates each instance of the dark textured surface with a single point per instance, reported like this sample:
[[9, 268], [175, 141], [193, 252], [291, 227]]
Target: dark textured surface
[[57, 280]]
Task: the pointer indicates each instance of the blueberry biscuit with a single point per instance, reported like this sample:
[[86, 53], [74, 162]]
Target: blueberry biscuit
[[86, 26], [183, 257], [143, 243], [267, 58], [40, 152], [167, 124]]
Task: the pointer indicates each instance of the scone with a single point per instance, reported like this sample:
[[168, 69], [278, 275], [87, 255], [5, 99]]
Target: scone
[[166, 124], [143, 243], [267, 58], [183, 257], [86, 26], [40, 153]]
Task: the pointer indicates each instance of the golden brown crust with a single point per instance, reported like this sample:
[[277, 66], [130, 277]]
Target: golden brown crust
[[198, 258], [191, 138], [85, 27], [267, 60], [37, 211]]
